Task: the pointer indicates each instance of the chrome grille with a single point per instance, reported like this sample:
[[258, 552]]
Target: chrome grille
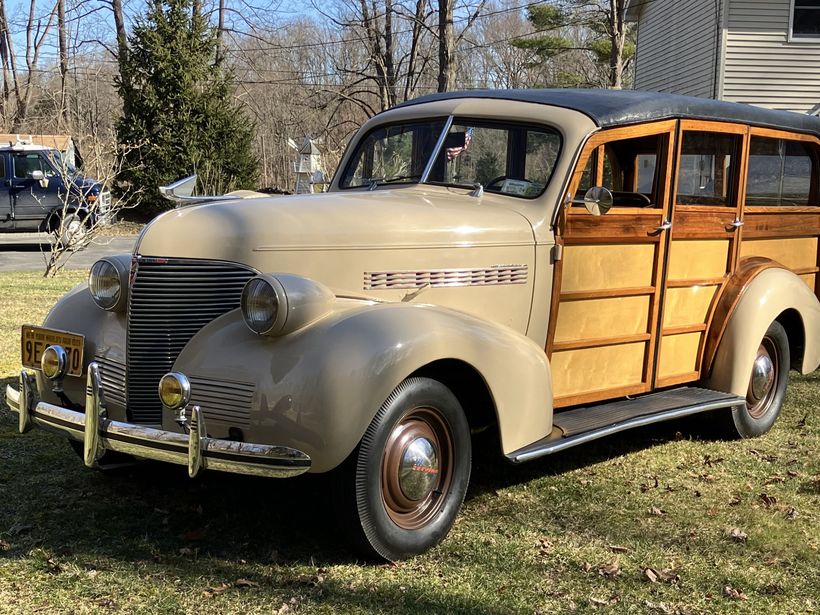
[[170, 300], [112, 374], [224, 401], [487, 276]]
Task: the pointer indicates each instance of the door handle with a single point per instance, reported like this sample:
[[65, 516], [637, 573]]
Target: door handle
[[665, 226], [734, 225]]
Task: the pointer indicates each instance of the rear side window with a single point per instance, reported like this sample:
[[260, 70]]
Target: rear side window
[[780, 173], [707, 167]]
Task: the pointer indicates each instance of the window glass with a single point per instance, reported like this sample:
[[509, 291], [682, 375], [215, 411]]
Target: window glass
[[393, 154], [780, 172], [512, 160], [806, 19], [706, 168], [629, 171], [2, 167], [25, 164]]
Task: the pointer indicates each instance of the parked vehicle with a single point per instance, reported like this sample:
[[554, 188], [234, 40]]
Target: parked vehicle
[[39, 189], [556, 266]]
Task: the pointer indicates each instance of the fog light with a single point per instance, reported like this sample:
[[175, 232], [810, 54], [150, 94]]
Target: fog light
[[54, 362], [174, 390]]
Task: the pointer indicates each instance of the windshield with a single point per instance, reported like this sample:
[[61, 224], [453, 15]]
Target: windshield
[[393, 154], [505, 158], [62, 164]]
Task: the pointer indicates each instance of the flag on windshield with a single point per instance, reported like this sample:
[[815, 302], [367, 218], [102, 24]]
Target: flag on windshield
[[454, 152]]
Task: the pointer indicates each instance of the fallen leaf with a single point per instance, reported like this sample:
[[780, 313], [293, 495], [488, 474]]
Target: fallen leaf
[[54, 566], [598, 602], [215, 591], [161, 511], [707, 459], [311, 580], [656, 511], [586, 566], [793, 474], [792, 513], [768, 500], [737, 535], [186, 551], [802, 422], [618, 549], [653, 484], [545, 546], [4, 546], [245, 583], [612, 569], [19, 528], [734, 594], [667, 575], [735, 501], [775, 478]]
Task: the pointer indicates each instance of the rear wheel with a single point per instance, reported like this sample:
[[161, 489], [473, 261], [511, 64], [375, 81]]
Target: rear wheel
[[767, 385], [410, 472]]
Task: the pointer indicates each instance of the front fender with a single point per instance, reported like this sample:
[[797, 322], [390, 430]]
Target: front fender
[[319, 388], [770, 293]]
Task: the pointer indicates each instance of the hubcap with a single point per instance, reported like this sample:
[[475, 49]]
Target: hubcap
[[417, 468], [763, 383]]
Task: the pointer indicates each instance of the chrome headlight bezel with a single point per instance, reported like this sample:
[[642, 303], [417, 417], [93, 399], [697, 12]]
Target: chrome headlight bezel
[[292, 301], [110, 274]]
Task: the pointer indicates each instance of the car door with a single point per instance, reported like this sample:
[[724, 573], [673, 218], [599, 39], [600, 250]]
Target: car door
[[6, 221], [32, 199], [608, 274]]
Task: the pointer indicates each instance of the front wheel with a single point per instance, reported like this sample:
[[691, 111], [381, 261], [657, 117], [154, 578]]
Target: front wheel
[[767, 385], [410, 472]]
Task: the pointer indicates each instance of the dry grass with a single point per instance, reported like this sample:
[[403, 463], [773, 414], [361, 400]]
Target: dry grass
[[574, 532]]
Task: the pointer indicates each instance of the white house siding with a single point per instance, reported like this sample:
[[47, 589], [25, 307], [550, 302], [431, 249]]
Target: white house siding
[[762, 66], [678, 46]]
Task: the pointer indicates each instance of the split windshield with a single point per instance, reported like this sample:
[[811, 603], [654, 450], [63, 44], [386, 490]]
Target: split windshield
[[503, 158]]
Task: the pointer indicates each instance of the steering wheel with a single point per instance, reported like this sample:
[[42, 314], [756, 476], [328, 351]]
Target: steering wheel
[[495, 180]]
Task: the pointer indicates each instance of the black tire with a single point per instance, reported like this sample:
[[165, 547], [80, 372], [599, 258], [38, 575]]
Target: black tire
[[373, 491], [765, 395]]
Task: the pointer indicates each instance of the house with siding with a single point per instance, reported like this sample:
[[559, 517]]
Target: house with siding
[[761, 52]]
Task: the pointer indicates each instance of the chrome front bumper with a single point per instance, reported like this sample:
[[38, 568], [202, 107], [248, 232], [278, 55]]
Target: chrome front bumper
[[196, 449]]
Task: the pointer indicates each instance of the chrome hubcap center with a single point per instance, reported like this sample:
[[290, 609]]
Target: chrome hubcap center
[[419, 469], [762, 377]]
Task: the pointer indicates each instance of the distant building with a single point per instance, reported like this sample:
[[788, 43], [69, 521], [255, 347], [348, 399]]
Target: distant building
[[63, 143], [307, 166], [762, 52]]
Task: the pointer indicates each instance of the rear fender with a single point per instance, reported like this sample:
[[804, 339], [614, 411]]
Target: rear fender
[[319, 388]]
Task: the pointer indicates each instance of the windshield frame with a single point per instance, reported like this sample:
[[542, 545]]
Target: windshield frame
[[428, 167]]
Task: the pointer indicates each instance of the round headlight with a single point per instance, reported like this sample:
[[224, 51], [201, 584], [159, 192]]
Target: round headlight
[[54, 362], [174, 390], [104, 284], [261, 305]]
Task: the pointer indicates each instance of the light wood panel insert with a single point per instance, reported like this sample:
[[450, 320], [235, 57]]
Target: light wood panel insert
[[601, 318], [679, 354], [698, 258], [605, 267], [595, 369], [686, 306], [797, 253]]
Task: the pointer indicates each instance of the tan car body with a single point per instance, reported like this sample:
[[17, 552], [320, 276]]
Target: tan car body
[[317, 389]]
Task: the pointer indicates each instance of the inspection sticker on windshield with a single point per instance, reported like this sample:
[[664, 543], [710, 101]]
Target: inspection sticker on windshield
[[34, 340]]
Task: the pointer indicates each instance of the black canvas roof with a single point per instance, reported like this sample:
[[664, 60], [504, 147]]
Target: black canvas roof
[[618, 107]]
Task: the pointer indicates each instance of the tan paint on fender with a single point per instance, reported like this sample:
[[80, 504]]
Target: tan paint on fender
[[769, 294]]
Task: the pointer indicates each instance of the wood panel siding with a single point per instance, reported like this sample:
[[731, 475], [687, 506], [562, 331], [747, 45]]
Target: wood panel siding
[[763, 67], [678, 47]]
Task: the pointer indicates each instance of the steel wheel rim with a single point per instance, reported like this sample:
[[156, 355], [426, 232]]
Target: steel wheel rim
[[419, 424], [764, 380]]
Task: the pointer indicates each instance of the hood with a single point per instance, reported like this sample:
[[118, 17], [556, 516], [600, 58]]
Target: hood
[[250, 231]]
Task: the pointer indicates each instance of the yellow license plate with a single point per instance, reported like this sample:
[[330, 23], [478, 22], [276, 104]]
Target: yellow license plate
[[35, 340]]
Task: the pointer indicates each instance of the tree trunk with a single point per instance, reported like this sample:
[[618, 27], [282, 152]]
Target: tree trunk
[[61, 36], [220, 30], [446, 67], [618, 38], [414, 47]]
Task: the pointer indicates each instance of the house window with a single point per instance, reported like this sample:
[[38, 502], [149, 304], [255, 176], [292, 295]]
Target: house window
[[806, 19]]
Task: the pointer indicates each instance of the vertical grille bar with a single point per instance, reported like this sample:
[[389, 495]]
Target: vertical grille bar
[[170, 300]]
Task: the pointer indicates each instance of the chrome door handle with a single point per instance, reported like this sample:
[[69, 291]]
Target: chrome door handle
[[665, 226], [736, 224]]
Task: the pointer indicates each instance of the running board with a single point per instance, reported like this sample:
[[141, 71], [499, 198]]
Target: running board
[[582, 425]]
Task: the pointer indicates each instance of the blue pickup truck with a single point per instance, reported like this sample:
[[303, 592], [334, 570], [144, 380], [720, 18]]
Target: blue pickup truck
[[40, 189]]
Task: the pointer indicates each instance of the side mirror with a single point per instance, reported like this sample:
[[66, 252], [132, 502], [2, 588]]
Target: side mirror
[[37, 175], [598, 200]]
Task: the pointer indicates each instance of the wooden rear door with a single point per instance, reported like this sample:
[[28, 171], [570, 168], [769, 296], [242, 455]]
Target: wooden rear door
[[607, 282]]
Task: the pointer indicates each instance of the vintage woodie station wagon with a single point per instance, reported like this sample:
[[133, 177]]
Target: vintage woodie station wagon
[[556, 266]]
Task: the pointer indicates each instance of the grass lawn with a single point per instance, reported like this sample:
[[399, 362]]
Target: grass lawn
[[651, 521]]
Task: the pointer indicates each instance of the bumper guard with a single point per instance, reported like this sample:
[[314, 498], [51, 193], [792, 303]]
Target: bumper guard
[[196, 449]]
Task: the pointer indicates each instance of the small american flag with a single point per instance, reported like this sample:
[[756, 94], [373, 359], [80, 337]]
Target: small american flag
[[454, 152]]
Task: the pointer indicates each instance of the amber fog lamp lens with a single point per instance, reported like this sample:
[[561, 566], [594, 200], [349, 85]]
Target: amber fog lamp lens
[[104, 284], [260, 305], [174, 390], [54, 362]]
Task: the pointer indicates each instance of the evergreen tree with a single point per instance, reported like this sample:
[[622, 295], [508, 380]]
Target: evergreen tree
[[178, 112]]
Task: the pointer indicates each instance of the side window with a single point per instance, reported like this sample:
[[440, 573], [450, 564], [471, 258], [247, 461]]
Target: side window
[[629, 170], [780, 173], [25, 164], [707, 166], [2, 166]]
